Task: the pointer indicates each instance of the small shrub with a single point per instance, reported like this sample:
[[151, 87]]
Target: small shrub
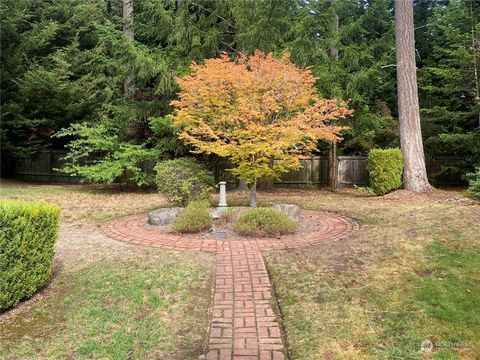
[[194, 218], [183, 180], [385, 168], [265, 222], [28, 232], [474, 182], [228, 214]]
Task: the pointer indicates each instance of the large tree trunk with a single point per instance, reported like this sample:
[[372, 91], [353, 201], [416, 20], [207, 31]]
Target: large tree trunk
[[415, 173], [334, 48], [332, 154], [333, 167], [128, 84], [475, 68]]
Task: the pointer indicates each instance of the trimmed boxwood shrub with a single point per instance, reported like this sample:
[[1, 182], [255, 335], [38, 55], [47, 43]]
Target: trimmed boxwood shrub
[[265, 222], [385, 168], [183, 180], [194, 218], [28, 232]]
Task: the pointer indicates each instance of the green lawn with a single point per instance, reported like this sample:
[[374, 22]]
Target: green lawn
[[411, 273], [107, 299], [130, 308]]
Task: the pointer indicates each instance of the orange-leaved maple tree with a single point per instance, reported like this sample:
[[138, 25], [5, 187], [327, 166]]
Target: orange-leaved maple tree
[[260, 111]]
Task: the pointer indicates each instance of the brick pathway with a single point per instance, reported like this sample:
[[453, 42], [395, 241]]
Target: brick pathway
[[244, 325]]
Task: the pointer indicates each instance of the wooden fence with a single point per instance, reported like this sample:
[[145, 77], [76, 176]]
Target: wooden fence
[[41, 168], [314, 172], [352, 170]]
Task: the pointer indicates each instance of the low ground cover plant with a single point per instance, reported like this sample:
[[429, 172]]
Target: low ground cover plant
[[229, 214], [184, 180], [194, 218], [28, 232], [265, 222], [385, 168]]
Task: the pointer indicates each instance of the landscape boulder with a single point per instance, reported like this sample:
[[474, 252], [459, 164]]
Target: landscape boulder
[[164, 216], [293, 211]]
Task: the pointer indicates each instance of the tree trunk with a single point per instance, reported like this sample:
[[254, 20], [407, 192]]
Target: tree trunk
[[334, 48], [128, 32], [332, 154], [415, 173], [333, 167], [253, 194], [242, 187]]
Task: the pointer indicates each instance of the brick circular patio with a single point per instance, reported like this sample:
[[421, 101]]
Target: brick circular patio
[[244, 324], [132, 229]]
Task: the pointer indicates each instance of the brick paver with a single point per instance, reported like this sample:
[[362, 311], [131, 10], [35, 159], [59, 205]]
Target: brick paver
[[244, 325]]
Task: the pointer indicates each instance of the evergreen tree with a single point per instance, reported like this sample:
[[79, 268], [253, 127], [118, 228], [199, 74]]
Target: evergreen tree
[[64, 62], [360, 71], [449, 84]]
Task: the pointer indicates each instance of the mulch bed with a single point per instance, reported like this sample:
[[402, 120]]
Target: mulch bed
[[224, 228]]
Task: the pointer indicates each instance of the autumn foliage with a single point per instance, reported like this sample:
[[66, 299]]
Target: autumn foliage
[[252, 110]]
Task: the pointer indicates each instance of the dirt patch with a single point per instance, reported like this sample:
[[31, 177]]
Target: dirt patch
[[437, 195]]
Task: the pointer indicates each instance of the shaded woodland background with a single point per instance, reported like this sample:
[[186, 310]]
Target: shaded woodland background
[[64, 64]]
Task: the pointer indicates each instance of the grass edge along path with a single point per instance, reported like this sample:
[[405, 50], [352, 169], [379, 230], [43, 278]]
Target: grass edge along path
[[410, 275], [128, 307]]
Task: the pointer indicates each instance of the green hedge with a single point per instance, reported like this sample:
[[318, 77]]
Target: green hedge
[[28, 232], [385, 168]]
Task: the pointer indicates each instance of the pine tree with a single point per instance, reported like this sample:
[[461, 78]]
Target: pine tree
[[448, 85], [361, 69]]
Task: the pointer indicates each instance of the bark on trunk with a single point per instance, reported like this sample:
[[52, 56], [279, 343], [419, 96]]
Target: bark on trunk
[[333, 167], [332, 155], [242, 187], [128, 32], [415, 173], [334, 48], [253, 194]]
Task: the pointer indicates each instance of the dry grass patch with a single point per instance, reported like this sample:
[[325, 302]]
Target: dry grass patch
[[84, 203], [108, 299], [409, 274]]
